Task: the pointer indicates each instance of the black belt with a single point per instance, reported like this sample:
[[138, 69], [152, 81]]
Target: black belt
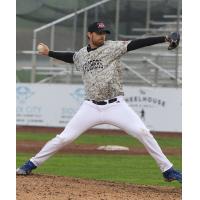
[[103, 102]]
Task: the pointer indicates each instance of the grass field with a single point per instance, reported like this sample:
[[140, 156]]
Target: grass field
[[124, 140], [134, 169], [24, 76]]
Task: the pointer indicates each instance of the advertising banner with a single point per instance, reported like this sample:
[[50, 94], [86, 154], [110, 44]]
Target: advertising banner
[[53, 105]]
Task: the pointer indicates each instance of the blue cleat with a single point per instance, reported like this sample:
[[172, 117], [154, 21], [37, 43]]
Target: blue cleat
[[26, 168], [172, 175]]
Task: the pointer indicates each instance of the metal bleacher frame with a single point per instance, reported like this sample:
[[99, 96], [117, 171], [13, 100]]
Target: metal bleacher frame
[[141, 67]]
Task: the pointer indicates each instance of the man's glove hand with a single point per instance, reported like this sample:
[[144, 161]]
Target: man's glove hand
[[173, 39]]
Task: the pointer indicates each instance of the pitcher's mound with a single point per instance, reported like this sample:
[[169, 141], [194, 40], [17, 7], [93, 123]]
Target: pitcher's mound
[[63, 188]]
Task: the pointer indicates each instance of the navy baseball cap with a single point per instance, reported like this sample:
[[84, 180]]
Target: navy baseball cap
[[98, 27]]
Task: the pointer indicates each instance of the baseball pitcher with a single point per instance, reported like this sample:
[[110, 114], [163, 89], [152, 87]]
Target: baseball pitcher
[[101, 69]]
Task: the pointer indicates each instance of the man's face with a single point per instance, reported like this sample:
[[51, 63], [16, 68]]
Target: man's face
[[97, 39]]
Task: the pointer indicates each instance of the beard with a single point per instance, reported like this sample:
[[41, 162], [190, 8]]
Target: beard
[[98, 42]]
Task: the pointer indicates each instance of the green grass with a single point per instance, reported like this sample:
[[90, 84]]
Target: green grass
[[34, 136], [25, 76], [119, 168], [124, 140], [134, 169]]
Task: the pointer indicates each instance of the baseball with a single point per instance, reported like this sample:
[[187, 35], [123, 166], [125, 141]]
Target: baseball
[[40, 47]]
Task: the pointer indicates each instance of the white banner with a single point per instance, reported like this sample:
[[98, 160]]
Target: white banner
[[53, 105]]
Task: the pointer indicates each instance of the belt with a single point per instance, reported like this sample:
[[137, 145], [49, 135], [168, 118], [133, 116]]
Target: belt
[[103, 102]]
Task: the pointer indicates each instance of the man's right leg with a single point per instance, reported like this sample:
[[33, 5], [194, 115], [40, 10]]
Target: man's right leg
[[86, 117]]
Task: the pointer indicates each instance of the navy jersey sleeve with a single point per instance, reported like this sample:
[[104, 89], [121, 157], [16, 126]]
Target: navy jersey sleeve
[[139, 43], [64, 56]]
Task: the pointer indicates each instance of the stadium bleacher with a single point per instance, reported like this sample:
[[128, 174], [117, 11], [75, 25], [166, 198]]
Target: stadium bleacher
[[151, 66]]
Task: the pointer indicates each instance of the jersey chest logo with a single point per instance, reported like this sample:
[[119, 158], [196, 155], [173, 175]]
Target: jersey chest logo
[[92, 65]]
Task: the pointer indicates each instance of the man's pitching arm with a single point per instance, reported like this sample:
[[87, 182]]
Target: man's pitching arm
[[64, 56]]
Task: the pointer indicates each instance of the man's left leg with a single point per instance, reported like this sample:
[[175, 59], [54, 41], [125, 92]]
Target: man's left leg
[[122, 116]]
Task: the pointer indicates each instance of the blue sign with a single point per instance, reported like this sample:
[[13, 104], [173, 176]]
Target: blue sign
[[23, 93]]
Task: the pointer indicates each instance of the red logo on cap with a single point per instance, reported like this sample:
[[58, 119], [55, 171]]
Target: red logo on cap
[[101, 25]]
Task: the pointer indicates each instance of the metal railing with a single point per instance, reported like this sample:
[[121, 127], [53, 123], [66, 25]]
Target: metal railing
[[161, 69], [139, 75], [117, 35], [72, 15]]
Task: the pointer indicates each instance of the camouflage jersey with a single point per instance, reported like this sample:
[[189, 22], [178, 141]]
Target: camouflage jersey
[[102, 70]]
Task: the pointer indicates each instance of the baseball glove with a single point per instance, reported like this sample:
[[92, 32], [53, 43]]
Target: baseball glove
[[173, 39]]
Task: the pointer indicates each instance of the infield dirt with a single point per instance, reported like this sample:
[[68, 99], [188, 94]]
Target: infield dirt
[[35, 187]]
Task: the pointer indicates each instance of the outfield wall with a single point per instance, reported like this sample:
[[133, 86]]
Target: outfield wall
[[53, 105]]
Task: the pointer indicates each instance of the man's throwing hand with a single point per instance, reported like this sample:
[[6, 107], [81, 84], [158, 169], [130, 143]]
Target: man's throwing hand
[[43, 49]]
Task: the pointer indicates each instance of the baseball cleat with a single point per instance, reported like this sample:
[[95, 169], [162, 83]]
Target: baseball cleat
[[26, 168], [172, 175]]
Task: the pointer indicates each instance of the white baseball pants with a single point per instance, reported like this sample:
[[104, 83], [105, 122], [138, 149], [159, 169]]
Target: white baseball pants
[[118, 114]]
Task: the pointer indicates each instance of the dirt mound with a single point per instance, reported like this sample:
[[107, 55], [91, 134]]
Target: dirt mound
[[35, 187]]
